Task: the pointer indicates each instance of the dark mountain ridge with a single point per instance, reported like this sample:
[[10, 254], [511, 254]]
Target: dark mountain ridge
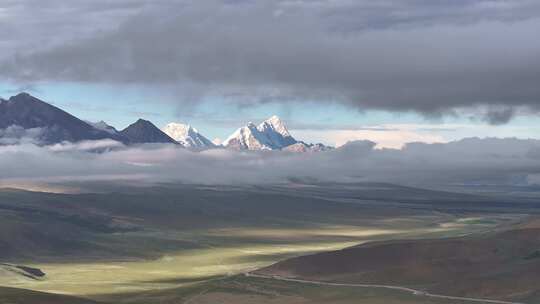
[[143, 131], [28, 112]]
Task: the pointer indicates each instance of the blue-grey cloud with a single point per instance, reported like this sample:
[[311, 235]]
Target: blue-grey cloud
[[414, 55]]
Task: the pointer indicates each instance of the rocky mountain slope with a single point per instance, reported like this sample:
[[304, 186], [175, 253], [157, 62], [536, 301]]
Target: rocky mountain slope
[[143, 131], [49, 124]]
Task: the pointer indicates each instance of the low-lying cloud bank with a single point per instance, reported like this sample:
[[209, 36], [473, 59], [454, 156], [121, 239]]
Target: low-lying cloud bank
[[469, 161]]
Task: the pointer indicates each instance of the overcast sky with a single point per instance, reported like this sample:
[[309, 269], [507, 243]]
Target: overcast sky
[[423, 70]]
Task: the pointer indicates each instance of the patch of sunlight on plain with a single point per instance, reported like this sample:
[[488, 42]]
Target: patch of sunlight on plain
[[343, 231], [85, 279], [223, 257]]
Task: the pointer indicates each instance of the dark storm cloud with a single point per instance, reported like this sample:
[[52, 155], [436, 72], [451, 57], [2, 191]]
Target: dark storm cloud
[[417, 55], [499, 116]]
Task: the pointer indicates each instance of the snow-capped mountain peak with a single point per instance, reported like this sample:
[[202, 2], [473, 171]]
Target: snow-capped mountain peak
[[271, 134], [247, 138], [276, 124], [187, 136], [276, 132]]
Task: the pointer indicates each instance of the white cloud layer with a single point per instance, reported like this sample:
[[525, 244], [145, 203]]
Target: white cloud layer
[[386, 136], [470, 161]]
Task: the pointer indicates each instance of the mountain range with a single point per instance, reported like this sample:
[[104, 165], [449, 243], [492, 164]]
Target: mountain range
[[24, 115]]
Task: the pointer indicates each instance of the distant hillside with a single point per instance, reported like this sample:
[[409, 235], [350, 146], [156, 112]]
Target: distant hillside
[[500, 265], [22, 296]]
